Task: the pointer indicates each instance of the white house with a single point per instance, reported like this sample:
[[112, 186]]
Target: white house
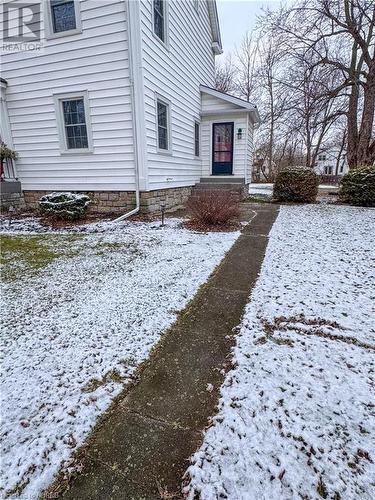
[[118, 103], [331, 163]]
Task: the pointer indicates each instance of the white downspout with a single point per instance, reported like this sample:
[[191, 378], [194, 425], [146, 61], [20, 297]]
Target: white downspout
[[131, 25]]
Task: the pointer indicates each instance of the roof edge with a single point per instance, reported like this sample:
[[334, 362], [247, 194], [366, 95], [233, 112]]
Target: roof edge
[[233, 100], [215, 27]]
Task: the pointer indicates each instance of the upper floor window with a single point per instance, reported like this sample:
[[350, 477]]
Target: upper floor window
[[163, 124], [159, 19], [322, 157], [63, 15], [196, 139], [63, 18], [73, 123]]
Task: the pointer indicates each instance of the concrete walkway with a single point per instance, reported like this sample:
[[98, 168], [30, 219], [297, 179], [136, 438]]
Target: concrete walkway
[[140, 450]]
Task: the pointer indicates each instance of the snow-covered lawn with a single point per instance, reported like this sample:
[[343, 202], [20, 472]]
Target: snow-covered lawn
[[80, 312], [296, 417]]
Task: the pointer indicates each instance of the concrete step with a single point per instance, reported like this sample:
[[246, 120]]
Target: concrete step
[[222, 179], [212, 187]]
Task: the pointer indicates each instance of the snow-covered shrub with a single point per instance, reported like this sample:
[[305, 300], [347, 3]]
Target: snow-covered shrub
[[213, 208], [67, 206], [296, 184], [357, 187]]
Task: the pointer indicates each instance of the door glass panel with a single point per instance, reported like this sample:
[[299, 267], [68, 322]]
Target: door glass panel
[[221, 156], [223, 139]]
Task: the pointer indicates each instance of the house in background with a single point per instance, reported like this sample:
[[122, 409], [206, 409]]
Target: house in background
[[331, 163], [119, 104]]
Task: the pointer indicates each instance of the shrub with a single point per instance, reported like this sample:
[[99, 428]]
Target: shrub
[[298, 184], [357, 187], [6, 154], [66, 206], [213, 208]]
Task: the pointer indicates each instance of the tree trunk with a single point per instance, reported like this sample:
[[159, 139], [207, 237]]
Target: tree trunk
[[352, 127], [366, 134]]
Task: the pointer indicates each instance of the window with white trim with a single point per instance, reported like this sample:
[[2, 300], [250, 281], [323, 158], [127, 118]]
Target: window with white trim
[[163, 125], [196, 139], [159, 19], [328, 170], [73, 123], [63, 18]]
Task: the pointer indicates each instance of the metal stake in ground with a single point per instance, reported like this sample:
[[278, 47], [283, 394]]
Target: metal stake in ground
[[162, 209]]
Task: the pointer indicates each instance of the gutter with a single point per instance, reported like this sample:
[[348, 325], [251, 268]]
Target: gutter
[[215, 27], [131, 16]]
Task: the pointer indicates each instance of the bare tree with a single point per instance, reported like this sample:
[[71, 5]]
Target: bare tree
[[225, 76], [246, 60], [339, 35], [273, 97], [314, 110]]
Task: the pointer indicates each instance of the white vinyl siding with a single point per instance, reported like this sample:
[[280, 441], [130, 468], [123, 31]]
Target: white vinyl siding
[[94, 61], [250, 149], [212, 104], [176, 72]]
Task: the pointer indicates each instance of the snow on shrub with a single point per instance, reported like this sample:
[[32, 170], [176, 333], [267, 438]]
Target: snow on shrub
[[297, 184], [357, 187], [67, 206], [213, 208]]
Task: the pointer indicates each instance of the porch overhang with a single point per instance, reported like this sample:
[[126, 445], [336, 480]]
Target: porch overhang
[[238, 106]]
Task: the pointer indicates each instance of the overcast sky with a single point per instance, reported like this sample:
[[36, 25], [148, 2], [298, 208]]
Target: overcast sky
[[238, 16]]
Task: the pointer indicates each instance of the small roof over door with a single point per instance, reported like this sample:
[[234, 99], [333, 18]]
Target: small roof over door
[[215, 102]]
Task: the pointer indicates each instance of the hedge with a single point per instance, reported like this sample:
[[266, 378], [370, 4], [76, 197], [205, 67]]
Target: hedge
[[357, 187], [296, 184]]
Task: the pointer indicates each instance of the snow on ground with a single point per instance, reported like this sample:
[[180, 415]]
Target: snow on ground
[[296, 413], [75, 330], [259, 188]]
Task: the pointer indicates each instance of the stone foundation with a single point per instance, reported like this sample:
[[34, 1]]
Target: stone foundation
[[11, 196], [118, 202], [172, 197]]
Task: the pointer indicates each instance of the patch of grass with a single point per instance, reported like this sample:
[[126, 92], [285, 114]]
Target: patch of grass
[[257, 199], [322, 489], [104, 247], [31, 253], [282, 341], [111, 376]]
